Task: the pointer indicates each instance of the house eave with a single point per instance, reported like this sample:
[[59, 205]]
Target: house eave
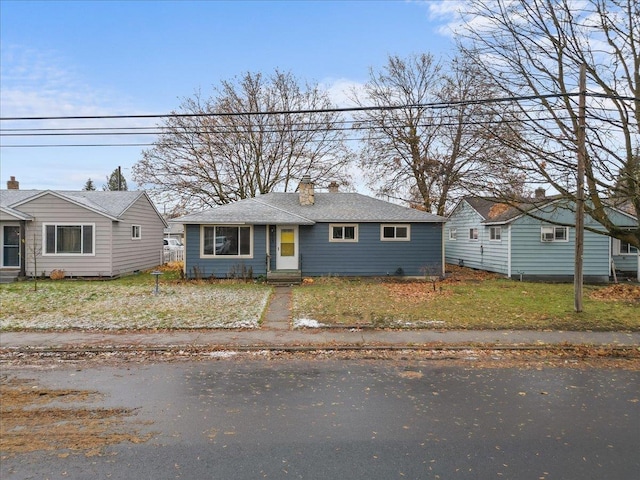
[[14, 214]]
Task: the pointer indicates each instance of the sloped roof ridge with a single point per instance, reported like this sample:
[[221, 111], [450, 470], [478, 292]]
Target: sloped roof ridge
[[255, 199]]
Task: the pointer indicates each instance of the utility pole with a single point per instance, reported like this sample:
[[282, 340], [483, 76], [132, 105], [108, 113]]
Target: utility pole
[[582, 157]]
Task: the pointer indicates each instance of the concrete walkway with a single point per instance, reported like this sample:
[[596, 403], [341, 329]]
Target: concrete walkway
[[277, 332]]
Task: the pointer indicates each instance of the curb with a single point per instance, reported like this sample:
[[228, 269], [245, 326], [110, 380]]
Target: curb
[[630, 350]]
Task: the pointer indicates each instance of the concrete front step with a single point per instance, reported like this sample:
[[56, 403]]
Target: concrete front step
[[9, 276], [284, 277]]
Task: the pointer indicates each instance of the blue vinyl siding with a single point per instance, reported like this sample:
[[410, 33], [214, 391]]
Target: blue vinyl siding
[[370, 256], [530, 257], [626, 263], [481, 254], [221, 267], [318, 256]]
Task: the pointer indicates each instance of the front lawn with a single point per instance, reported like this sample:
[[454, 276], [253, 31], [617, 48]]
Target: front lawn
[[129, 303], [490, 303]]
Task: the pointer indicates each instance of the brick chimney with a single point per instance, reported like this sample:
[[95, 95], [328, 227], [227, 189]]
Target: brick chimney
[[13, 184], [540, 193], [305, 191], [334, 187]]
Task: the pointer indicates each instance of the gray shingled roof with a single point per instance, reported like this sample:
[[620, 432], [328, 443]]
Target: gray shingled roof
[[113, 204], [285, 208], [494, 210]]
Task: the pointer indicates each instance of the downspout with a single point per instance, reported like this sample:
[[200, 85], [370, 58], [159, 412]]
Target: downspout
[[610, 263], [509, 251], [442, 239]]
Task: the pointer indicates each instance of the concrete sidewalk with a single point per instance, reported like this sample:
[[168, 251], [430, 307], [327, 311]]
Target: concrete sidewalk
[[321, 338], [277, 332]]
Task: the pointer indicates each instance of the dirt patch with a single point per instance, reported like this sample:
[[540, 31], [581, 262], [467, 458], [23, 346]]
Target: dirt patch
[[33, 419], [618, 292]]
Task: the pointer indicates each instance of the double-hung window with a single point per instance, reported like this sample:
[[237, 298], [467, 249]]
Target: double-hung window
[[227, 241], [68, 239], [554, 234], [342, 232], [627, 249], [397, 233]]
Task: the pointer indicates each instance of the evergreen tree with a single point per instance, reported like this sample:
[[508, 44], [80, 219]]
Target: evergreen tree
[[116, 181], [89, 186]]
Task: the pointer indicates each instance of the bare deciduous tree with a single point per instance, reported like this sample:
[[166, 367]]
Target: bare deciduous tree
[[535, 48], [257, 134], [434, 148]]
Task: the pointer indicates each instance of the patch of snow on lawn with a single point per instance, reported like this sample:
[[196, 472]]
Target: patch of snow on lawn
[[95, 306], [307, 323]]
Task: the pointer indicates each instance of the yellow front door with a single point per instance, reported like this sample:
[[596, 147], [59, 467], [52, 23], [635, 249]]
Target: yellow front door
[[287, 250]]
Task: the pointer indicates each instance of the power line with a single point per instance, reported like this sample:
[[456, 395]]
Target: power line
[[437, 105]]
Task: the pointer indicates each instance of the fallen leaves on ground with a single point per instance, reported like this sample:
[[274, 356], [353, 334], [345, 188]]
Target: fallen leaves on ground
[[619, 291], [415, 292], [456, 274], [33, 419]]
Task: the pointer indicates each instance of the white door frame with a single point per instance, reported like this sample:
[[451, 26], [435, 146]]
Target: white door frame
[[3, 244], [287, 262]]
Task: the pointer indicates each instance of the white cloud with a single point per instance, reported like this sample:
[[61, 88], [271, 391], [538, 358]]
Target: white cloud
[[339, 90]]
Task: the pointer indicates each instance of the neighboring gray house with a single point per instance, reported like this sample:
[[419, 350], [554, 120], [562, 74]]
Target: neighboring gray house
[[485, 234], [309, 233], [84, 233]]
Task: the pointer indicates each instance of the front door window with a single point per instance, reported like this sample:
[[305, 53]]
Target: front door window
[[287, 242]]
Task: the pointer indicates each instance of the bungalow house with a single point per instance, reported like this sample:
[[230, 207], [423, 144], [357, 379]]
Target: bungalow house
[[311, 233], [534, 240], [83, 233]]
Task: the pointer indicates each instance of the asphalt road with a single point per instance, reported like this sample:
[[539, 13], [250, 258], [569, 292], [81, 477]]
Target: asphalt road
[[245, 418]]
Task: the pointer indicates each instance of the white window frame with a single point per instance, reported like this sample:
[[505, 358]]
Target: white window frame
[[548, 234], [343, 226], [222, 225], [395, 227], [628, 249], [136, 232], [68, 254], [495, 234], [453, 234], [474, 234]]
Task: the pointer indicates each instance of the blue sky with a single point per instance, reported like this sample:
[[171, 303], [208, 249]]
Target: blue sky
[[64, 58]]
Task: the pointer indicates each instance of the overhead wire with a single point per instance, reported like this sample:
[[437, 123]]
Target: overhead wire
[[302, 126]]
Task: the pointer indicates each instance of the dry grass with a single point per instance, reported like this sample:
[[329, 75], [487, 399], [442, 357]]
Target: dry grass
[[467, 299]]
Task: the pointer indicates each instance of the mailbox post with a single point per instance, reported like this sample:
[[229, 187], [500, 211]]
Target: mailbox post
[[156, 273]]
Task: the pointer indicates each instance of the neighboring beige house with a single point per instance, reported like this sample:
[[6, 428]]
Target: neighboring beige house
[[83, 233]]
